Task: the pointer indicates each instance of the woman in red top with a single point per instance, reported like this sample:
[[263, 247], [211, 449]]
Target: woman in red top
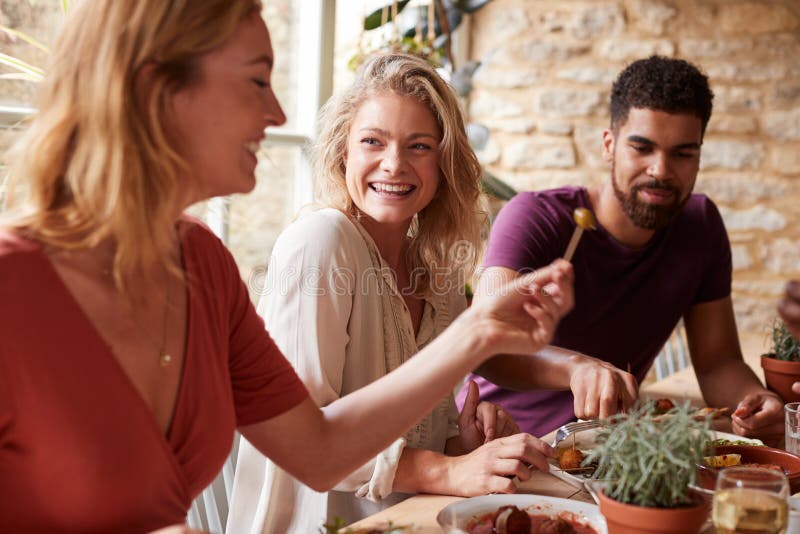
[[129, 350]]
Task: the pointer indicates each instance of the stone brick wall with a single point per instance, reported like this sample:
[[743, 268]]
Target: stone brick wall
[[543, 91]]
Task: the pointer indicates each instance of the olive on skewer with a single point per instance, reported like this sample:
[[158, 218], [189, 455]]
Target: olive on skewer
[[584, 220]]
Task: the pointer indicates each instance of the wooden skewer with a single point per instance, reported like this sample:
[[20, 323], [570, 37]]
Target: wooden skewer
[[573, 243], [584, 220]]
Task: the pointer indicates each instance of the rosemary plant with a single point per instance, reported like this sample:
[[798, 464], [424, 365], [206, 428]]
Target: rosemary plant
[[784, 346], [650, 460]]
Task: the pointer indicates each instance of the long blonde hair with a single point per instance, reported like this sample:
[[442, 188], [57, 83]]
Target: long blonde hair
[[446, 234], [97, 161]]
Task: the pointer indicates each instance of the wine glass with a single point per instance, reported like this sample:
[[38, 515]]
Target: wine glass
[[750, 499]]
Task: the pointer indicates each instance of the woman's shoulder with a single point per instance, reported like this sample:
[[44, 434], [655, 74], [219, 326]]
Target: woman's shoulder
[[16, 249], [326, 228]]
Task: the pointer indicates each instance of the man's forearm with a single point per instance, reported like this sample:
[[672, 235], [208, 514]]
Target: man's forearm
[[739, 380], [550, 368]]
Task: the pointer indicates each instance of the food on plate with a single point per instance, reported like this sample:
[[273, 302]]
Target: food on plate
[[713, 413], [723, 460], [389, 529], [512, 520], [663, 406], [730, 460], [748, 442], [570, 458]]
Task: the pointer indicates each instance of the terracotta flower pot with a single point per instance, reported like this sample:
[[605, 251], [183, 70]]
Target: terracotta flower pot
[[624, 518], [780, 375]]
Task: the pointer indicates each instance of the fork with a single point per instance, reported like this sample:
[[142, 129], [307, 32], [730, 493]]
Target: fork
[[564, 431]]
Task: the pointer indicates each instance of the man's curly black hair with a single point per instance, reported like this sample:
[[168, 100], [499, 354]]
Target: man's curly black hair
[[664, 84]]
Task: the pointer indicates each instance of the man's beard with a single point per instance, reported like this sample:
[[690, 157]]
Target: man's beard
[[644, 215]]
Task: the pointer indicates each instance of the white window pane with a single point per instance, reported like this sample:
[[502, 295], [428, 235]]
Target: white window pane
[[256, 220], [282, 18]]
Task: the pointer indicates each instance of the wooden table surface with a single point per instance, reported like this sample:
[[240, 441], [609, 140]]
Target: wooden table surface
[[421, 510]]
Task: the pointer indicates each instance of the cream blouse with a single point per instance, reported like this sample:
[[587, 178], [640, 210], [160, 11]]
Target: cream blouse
[[331, 304]]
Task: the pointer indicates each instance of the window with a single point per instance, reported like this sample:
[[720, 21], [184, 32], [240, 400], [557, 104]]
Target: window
[[302, 36], [303, 81]]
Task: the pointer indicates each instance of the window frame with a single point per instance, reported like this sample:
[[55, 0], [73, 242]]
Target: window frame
[[314, 67]]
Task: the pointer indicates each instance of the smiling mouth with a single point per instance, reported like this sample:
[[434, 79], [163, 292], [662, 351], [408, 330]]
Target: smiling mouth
[[393, 190]]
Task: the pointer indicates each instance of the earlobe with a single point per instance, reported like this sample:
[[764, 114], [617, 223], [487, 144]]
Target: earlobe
[[608, 145], [143, 81]]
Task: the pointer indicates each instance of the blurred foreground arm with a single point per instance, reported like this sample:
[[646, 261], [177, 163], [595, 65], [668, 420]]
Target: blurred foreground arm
[[320, 447]]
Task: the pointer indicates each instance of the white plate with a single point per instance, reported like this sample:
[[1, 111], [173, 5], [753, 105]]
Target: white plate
[[453, 518], [585, 441]]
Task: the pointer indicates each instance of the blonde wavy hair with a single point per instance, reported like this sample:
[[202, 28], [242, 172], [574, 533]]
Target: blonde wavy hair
[[97, 161], [447, 232]]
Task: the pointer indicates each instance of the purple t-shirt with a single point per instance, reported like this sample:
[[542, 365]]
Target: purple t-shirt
[[627, 301]]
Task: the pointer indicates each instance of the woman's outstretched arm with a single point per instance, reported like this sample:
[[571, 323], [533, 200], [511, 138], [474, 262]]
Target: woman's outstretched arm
[[321, 446]]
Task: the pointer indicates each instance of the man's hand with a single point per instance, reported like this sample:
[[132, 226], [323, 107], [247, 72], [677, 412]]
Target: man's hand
[[760, 415], [601, 389], [481, 422]]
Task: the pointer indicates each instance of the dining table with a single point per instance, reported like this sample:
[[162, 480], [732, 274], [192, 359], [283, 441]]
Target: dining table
[[418, 513]]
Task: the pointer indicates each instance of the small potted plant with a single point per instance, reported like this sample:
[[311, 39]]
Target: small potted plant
[[782, 364], [648, 463]]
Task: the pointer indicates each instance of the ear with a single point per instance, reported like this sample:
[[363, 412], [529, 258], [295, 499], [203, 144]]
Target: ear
[[143, 81], [608, 145]]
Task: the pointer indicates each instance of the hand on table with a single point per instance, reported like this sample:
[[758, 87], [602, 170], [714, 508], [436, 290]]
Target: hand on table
[[481, 422], [601, 389], [495, 466], [789, 308], [759, 416]]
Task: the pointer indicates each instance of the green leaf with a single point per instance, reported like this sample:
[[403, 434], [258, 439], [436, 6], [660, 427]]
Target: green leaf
[[64, 5], [470, 6], [650, 462], [25, 37], [784, 346], [494, 186], [21, 66], [373, 20], [20, 76], [454, 18]]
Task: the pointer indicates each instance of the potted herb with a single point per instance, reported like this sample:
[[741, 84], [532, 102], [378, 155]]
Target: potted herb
[[782, 364], [648, 463]]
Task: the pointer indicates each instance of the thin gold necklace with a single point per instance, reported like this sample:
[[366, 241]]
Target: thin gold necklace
[[164, 358]]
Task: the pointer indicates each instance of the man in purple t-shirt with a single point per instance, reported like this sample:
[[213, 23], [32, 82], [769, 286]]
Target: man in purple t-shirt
[[659, 253]]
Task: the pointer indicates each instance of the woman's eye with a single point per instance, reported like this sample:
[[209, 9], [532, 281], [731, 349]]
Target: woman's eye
[[420, 146], [369, 141]]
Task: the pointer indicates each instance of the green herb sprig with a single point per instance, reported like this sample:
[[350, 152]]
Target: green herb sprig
[[650, 460], [784, 345]]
